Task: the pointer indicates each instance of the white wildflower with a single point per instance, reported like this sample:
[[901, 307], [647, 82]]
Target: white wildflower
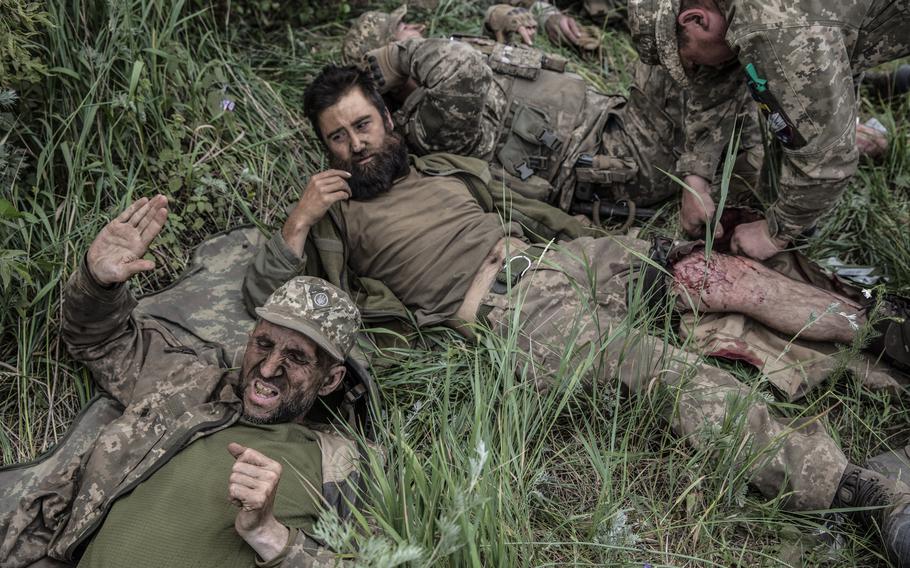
[[851, 320]]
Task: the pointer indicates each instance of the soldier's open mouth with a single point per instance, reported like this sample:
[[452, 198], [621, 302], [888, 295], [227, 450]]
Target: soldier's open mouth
[[262, 392]]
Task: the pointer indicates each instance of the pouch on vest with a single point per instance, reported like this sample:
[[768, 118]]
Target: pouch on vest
[[530, 144], [515, 61], [603, 177], [535, 187]]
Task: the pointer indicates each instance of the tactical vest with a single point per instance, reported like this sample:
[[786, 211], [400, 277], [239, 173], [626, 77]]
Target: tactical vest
[[544, 105]]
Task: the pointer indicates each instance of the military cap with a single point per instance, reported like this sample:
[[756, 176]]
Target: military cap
[[316, 309], [653, 27], [370, 30]]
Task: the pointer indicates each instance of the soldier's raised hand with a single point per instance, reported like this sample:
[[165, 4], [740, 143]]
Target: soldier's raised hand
[[323, 190], [117, 251]]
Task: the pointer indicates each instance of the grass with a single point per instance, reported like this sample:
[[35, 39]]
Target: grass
[[479, 468]]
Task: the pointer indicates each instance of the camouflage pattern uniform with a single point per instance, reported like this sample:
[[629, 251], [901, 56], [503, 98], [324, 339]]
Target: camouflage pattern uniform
[[578, 290], [168, 395], [801, 61], [573, 322], [534, 122]]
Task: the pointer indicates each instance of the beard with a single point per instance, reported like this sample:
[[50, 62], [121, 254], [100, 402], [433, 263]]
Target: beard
[[294, 404], [389, 163]]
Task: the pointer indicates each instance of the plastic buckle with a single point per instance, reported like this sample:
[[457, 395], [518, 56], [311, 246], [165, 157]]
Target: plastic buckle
[[524, 171], [548, 138], [538, 163]]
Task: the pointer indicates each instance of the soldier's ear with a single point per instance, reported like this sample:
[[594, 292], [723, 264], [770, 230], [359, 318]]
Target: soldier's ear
[[387, 119], [333, 378], [692, 18]]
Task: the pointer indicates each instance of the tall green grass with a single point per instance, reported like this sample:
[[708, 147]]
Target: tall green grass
[[204, 104]]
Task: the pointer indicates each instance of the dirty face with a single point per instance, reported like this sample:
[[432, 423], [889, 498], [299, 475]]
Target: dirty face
[[281, 376], [360, 140]]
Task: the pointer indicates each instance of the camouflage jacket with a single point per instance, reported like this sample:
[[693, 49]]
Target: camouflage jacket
[[507, 105], [799, 60], [166, 396], [524, 106], [325, 252]]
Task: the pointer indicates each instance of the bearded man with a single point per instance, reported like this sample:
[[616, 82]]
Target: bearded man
[[418, 240]]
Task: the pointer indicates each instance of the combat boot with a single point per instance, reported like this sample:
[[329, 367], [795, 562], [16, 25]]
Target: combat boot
[[893, 327], [886, 504]]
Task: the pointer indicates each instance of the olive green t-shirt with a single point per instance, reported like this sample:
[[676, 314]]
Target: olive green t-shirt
[[425, 239], [181, 516]]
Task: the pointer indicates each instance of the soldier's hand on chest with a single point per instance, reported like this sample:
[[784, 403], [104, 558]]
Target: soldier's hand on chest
[[252, 486]]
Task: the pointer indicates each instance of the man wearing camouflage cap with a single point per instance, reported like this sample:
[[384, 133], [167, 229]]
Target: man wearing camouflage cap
[[801, 62], [189, 473]]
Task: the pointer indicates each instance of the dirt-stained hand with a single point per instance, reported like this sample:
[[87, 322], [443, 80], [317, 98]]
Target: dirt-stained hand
[[870, 142], [561, 27], [117, 251], [697, 208], [252, 486]]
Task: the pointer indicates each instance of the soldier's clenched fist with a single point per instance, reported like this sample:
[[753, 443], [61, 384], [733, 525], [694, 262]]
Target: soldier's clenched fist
[[252, 486]]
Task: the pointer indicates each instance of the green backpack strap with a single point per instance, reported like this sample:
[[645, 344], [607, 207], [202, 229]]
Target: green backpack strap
[[540, 221]]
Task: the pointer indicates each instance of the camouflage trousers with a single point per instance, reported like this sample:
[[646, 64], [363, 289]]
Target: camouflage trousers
[[571, 312]]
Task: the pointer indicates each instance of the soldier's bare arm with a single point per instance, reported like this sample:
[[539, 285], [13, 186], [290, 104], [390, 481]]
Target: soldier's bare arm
[[252, 486]]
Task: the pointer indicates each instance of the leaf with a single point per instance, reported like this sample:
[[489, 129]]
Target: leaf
[[8, 210], [65, 71], [138, 66]]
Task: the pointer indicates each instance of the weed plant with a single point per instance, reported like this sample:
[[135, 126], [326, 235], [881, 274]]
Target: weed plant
[[202, 102]]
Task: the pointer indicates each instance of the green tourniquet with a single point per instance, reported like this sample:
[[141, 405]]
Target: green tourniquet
[[181, 515]]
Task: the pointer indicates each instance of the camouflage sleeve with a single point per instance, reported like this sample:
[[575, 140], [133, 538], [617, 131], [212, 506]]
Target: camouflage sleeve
[[712, 104], [442, 115], [273, 265], [808, 72], [101, 332], [304, 552]]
